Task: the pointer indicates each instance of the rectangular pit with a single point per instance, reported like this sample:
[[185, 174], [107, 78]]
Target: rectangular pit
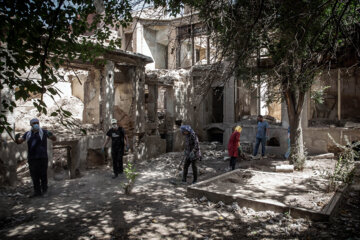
[[261, 191]]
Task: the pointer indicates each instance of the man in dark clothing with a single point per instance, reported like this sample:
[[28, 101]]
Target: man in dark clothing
[[36, 140], [192, 151], [118, 143]]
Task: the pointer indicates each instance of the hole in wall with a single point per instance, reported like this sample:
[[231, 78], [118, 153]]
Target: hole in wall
[[61, 162], [95, 158], [273, 142], [215, 135]]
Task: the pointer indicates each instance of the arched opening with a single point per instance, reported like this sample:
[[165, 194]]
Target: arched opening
[[273, 142], [215, 135]]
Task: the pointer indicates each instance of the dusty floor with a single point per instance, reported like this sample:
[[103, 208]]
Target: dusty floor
[[308, 193], [94, 207]]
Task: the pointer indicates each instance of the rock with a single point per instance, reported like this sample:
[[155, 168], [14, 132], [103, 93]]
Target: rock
[[203, 199], [251, 211], [284, 168], [220, 204], [235, 207]]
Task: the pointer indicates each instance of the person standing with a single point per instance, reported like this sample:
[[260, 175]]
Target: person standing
[[261, 135], [36, 140], [118, 142], [233, 146], [287, 154], [192, 151]]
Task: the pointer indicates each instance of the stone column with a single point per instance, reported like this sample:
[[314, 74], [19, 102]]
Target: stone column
[[284, 115], [152, 103], [229, 101], [107, 94], [138, 79]]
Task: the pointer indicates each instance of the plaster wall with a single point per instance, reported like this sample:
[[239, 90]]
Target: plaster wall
[[77, 86], [316, 139], [172, 48]]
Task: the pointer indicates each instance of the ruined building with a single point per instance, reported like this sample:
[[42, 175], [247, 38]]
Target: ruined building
[[154, 84]]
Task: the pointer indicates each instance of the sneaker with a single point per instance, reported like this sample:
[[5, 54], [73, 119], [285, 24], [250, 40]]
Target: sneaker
[[194, 182], [115, 176], [45, 194]]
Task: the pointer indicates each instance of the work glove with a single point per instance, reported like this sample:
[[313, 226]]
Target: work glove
[[186, 154], [50, 134], [192, 155], [102, 150], [17, 136]]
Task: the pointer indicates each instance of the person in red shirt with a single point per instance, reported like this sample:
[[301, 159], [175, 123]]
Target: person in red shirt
[[233, 146]]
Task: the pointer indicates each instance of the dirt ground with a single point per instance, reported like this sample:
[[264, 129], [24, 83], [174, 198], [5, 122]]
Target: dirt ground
[[95, 207], [308, 193]]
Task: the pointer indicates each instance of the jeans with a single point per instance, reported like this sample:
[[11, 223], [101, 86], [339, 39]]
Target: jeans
[[38, 172], [263, 143], [186, 167], [117, 158], [233, 162]]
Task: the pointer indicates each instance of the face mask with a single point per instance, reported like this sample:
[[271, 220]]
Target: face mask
[[114, 125], [36, 127]]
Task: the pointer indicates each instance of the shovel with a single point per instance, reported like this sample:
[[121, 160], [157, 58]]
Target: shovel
[[174, 181]]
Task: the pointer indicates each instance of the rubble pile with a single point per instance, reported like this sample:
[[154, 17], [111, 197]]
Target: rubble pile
[[26, 112], [212, 151]]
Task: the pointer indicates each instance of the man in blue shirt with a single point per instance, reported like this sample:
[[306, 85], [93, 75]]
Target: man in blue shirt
[[36, 140], [261, 135]]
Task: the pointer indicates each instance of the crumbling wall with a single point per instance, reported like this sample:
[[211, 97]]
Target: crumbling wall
[[316, 140], [124, 96], [77, 85]]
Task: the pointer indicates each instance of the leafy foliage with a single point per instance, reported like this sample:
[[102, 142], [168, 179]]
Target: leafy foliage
[[287, 43], [41, 36], [318, 95], [344, 167]]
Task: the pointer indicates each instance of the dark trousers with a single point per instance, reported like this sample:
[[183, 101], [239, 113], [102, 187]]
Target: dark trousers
[[186, 167], [38, 173], [257, 144], [117, 158], [233, 162]]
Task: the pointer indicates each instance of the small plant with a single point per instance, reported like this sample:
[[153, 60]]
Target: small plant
[[344, 167], [130, 173]]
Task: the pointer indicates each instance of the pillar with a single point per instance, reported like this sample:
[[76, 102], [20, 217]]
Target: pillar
[[229, 101], [107, 96]]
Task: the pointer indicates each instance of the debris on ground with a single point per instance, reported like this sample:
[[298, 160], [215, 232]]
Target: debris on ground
[[157, 209]]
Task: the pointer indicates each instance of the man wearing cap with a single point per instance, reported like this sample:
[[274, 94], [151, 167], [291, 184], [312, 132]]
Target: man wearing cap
[[118, 142], [36, 140]]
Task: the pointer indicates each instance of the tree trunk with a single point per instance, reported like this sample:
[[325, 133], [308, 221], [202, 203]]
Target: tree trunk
[[294, 103]]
